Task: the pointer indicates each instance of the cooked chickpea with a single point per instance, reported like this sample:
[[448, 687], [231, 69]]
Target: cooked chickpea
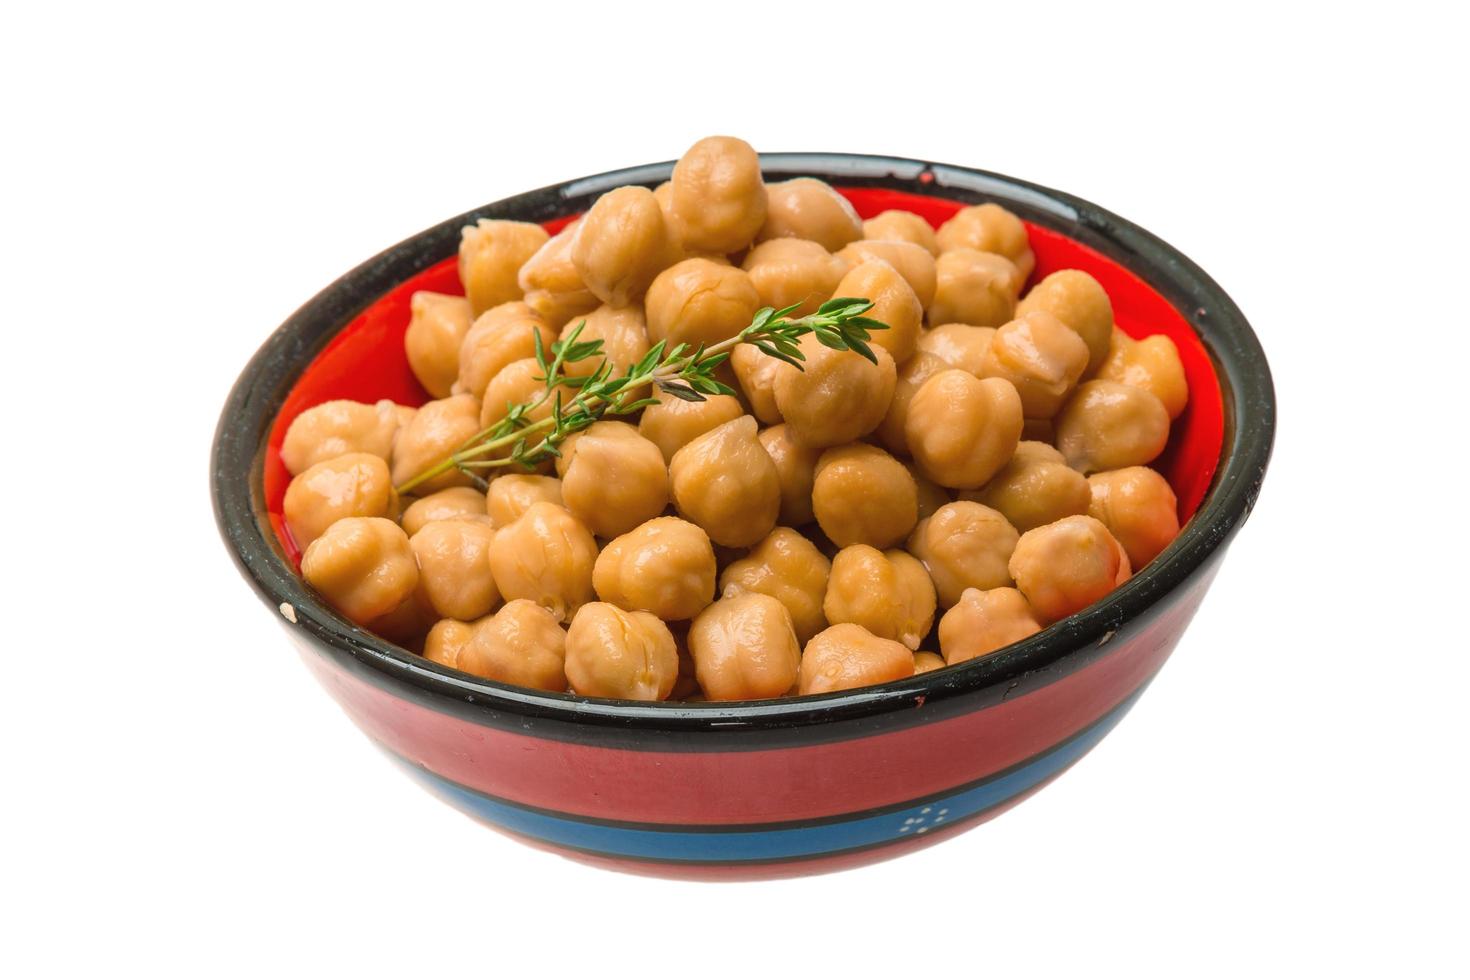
[[446, 639], [962, 429], [1151, 364], [846, 656], [1138, 506], [915, 371], [964, 545], [989, 228], [545, 555], [518, 382], [491, 254], [913, 262], [512, 495], [792, 270], [718, 195], [924, 661], [862, 495], [724, 482], [1111, 426], [407, 623], [894, 303], [522, 644], [901, 226], [1079, 301], [700, 302], [613, 653], [355, 485], [1036, 487], [1063, 567], [788, 568], [553, 287], [888, 593], [811, 209], [1042, 357], [363, 566], [621, 244], [442, 506], [973, 287], [439, 428], [496, 339], [796, 470], [958, 344], [623, 332], [744, 646], [983, 621], [612, 478], [837, 397], [665, 566], [454, 567], [931, 495], [337, 428], [674, 423], [436, 327], [756, 373]]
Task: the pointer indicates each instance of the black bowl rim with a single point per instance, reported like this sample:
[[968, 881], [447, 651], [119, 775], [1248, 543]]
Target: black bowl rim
[[1240, 363]]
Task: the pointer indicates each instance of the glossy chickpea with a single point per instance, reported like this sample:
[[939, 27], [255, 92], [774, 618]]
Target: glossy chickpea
[[958, 344], [915, 371], [718, 195], [726, 483], [522, 644], [439, 428], [674, 423], [924, 661], [811, 209], [698, 301], [1079, 301], [1036, 487], [744, 647], [1042, 357], [519, 382], [931, 495], [337, 428], [354, 485], [491, 254], [1139, 507], [1111, 426], [862, 495], [983, 621], [901, 226], [788, 568], [846, 656], [512, 495], [837, 396], [1151, 364], [964, 545], [973, 287], [553, 287], [436, 327], [792, 270], [888, 593], [756, 373], [1064, 567], [406, 624], [621, 244], [363, 566], [614, 653], [545, 555], [454, 567], [612, 478], [623, 332], [446, 639], [496, 339], [894, 303], [913, 262], [796, 470], [442, 506], [665, 566], [989, 228], [961, 429]]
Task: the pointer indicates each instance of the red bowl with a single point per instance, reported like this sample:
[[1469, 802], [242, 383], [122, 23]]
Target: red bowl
[[765, 788]]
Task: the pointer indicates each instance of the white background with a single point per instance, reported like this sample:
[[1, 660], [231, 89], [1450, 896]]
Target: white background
[[180, 799]]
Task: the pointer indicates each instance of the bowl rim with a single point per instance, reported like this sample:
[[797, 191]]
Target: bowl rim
[[1248, 399]]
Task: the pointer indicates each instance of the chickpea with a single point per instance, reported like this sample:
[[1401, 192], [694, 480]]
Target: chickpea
[[454, 567], [973, 287], [624, 335], [436, 327], [901, 226], [958, 344], [989, 228], [552, 285], [446, 639], [363, 566], [744, 646], [924, 662], [1151, 364], [1138, 506], [837, 397], [796, 470], [496, 339], [674, 423], [337, 428], [512, 495], [621, 244], [788, 568], [522, 644], [442, 506], [862, 495], [1079, 301], [983, 621], [962, 429], [1111, 426], [724, 482], [931, 495], [965, 545], [1042, 357], [355, 485], [612, 478], [1036, 487], [811, 209], [792, 270], [517, 383], [491, 254], [613, 653], [894, 303], [913, 262], [756, 374], [545, 555], [846, 656], [439, 428], [700, 302], [665, 566], [718, 195], [407, 623], [888, 593], [1064, 567], [915, 371]]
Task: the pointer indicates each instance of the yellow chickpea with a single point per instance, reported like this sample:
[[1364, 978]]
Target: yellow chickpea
[[1139, 507], [1079, 301], [962, 429], [958, 344], [436, 327], [756, 373], [623, 332], [915, 371], [788, 568], [726, 483], [439, 428], [553, 287], [744, 647], [888, 593], [674, 423], [522, 644], [1036, 487], [491, 254], [796, 470], [442, 506], [613, 653], [519, 382], [363, 566], [792, 270], [901, 226], [406, 624], [1042, 357], [545, 555], [973, 287], [1064, 567], [446, 639], [846, 656], [894, 303], [983, 621], [924, 662], [931, 495], [621, 244], [612, 478], [913, 262], [718, 195], [512, 495], [496, 339], [1111, 426], [700, 302], [964, 545], [837, 397], [811, 209], [1151, 364], [454, 567], [355, 485], [989, 228], [665, 566], [337, 428], [862, 495]]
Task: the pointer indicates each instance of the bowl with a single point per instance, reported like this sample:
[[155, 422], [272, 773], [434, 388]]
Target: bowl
[[758, 789]]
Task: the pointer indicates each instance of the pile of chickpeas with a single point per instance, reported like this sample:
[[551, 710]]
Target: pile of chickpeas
[[799, 537]]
